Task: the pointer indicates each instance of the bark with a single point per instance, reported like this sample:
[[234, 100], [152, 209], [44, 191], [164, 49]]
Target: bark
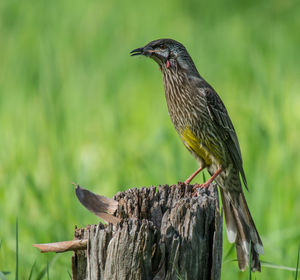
[[162, 233]]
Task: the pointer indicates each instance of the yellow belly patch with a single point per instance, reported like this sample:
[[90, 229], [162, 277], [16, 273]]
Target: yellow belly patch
[[200, 148]]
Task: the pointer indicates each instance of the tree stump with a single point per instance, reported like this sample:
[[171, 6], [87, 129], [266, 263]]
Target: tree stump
[[162, 233]]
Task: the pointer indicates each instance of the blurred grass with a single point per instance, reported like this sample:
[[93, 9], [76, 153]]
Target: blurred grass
[[75, 107]]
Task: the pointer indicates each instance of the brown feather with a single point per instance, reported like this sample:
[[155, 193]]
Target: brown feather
[[203, 123]]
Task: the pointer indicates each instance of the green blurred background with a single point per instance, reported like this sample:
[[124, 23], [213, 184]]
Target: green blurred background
[[75, 107]]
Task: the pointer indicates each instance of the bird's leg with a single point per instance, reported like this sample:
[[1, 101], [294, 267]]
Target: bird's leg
[[208, 182], [188, 180]]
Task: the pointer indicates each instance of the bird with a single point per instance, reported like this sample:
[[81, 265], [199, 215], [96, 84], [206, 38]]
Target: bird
[[205, 128]]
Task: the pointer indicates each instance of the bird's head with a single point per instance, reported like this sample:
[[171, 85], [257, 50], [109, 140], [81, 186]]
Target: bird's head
[[167, 53]]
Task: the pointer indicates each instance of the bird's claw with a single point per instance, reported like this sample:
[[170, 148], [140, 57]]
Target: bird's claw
[[200, 186]]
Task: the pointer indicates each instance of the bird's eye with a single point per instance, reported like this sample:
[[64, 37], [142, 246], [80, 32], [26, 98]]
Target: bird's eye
[[162, 47]]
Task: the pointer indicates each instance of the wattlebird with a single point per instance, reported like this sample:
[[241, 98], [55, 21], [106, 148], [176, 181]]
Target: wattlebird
[[205, 128]]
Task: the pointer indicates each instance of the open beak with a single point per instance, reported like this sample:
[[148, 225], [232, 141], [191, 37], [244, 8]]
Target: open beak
[[147, 51], [138, 51]]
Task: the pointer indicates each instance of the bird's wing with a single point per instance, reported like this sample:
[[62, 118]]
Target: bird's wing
[[220, 117]]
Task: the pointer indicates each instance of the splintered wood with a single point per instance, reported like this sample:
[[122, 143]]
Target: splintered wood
[[157, 233]]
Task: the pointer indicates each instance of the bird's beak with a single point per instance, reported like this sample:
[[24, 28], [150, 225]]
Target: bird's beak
[[138, 51], [147, 51]]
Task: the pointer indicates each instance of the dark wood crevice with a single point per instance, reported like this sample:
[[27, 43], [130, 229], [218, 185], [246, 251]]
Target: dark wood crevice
[[163, 233]]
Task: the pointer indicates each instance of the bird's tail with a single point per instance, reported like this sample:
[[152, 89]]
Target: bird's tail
[[241, 229]]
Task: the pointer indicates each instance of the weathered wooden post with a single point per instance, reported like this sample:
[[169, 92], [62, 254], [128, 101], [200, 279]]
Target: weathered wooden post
[[156, 233]]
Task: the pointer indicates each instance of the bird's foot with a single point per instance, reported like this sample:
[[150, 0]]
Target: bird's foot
[[200, 186]]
